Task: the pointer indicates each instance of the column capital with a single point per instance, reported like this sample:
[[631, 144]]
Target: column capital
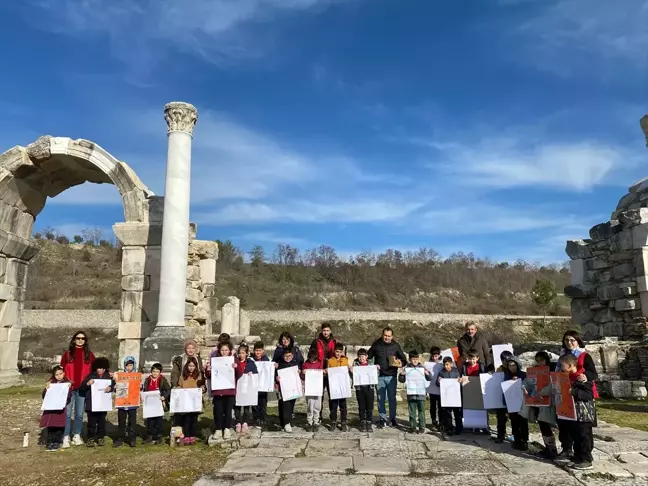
[[180, 117], [644, 126]]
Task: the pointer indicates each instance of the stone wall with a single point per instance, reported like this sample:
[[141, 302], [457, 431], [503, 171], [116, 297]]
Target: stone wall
[[609, 287]]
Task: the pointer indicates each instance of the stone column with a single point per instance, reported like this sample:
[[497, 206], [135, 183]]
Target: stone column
[[170, 331]]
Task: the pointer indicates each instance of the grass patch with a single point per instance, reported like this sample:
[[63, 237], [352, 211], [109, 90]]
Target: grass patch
[[624, 413]]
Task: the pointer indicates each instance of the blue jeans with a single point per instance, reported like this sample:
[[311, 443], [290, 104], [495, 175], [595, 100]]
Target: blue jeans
[[387, 387], [79, 405]]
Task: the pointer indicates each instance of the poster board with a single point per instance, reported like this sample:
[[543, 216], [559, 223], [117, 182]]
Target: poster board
[[475, 419], [513, 395], [415, 382], [222, 373], [498, 349], [339, 382], [563, 399], [247, 390], [473, 398], [101, 399], [492, 390], [290, 383], [56, 397], [454, 354], [313, 383], [450, 393], [152, 405], [537, 379], [266, 371], [127, 389], [186, 400], [434, 369], [365, 375]]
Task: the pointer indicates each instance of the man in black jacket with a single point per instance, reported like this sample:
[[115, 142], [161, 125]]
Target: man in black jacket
[[389, 356], [472, 339]]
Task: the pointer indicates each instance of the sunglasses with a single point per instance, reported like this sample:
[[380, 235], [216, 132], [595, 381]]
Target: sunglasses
[[79, 338]]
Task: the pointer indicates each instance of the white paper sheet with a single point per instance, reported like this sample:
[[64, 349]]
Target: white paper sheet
[[56, 396], [266, 371], [247, 390], [434, 369], [101, 400], [365, 375], [415, 382], [475, 419], [152, 404], [513, 395], [450, 393], [339, 382], [448, 353], [314, 383], [290, 383], [185, 400], [222, 373], [497, 351], [492, 390]]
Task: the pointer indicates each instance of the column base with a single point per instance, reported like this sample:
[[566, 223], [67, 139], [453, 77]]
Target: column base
[[10, 378], [164, 343]]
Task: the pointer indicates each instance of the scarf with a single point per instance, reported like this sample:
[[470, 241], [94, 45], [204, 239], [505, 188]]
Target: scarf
[[576, 352]]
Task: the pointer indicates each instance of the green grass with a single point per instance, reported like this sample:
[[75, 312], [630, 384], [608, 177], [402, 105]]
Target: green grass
[[624, 413]]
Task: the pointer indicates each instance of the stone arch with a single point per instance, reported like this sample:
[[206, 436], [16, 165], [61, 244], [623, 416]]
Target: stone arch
[[46, 168]]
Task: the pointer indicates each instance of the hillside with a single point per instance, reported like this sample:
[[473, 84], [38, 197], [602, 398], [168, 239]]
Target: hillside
[[78, 276]]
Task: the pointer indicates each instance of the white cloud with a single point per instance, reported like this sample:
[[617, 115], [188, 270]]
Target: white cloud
[[140, 32], [268, 237], [509, 163], [357, 211], [594, 35]]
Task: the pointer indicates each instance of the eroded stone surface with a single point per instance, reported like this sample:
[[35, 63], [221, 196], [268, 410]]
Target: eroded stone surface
[[326, 479], [385, 466], [219, 479], [252, 465], [328, 464], [458, 466], [535, 480]]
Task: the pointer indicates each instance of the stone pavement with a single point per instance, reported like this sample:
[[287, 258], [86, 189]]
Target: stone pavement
[[389, 457]]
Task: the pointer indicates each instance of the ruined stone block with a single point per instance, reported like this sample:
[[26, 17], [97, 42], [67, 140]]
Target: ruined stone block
[[611, 329], [9, 314], [131, 307], [138, 234], [619, 388], [208, 271], [208, 290], [626, 304], [193, 272], [135, 282], [628, 289], [577, 270], [640, 236], [590, 331], [580, 311], [578, 249], [595, 263], [609, 292], [133, 260], [193, 295], [189, 309], [135, 330], [623, 270]]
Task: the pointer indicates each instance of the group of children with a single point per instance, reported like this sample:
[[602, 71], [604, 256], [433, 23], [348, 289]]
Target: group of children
[[575, 436]]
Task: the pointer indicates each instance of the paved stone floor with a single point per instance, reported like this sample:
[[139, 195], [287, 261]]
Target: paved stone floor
[[389, 457]]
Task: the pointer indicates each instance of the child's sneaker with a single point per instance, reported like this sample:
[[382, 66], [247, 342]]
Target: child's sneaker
[[308, 428], [343, 427], [581, 466], [288, 428], [238, 428], [244, 428], [148, 441], [132, 443], [369, 427], [186, 441], [316, 428], [421, 430], [333, 426], [90, 443], [363, 426], [77, 440], [227, 434], [51, 448], [118, 442], [101, 442], [66, 442], [381, 424]]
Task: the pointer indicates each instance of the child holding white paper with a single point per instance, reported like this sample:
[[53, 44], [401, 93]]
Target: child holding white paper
[[156, 382], [190, 378], [415, 402], [260, 411], [448, 372], [96, 420], [245, 365], [435, 398], [286, 407], [223, 401], [313, 404], [339, 360], [365, 395], [519, 424], [54, 420], [501, 413]]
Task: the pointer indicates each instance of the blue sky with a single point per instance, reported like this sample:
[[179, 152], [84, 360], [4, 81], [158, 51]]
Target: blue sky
[[501, 127]]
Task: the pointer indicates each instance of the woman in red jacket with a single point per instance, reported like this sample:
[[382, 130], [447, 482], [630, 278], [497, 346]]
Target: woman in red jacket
[[77, 364]]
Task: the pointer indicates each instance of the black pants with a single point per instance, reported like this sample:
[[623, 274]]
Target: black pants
[[155, 427], [564, 436], [446, 419], [223, 412], [96, 425], [261, 410], [502, 418], [365, 397], [435, 409], [242, 414], [582, 438], [123, 417], [286, 409], [545, 429], [190, 424], [333, 406], [55, 435], [520, 428]]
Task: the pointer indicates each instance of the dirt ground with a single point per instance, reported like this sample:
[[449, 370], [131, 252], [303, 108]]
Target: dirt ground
[[105, 466]]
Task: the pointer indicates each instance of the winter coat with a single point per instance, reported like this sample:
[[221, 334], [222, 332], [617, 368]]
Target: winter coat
[[380, 352], [443, 374], [403, 379], [244, 368], [163, 387], [86, 390], [325, 348], [177, 364], [311, 365], [586, 363], [56, 418], [337, 363], [70, 366], [277, 356], [479, 343]]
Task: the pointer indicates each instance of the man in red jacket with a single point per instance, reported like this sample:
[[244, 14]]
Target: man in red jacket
[[324, 344]]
